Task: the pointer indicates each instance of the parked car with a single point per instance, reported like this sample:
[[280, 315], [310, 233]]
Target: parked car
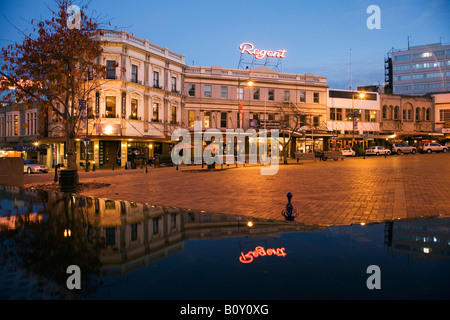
[[433, 147], [31, 166], [377, 150], [400, 148], [348, 152]]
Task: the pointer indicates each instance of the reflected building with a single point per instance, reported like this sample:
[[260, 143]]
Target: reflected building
[[425, 238]]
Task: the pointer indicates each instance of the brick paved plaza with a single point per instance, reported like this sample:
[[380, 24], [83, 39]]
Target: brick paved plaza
[[326, 193]]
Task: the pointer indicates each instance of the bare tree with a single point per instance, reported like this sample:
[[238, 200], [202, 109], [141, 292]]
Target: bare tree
[[56, 67]]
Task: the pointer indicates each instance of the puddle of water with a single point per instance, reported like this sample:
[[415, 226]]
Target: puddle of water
[[128, 250]]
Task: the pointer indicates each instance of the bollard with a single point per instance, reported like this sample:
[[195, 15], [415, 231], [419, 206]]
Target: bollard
[[146, 166], [113, 166], [93, 167], [289, 213]]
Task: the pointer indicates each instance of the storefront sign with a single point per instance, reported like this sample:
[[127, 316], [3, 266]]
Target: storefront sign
[[108, 129], [261, 54], [261, 252]]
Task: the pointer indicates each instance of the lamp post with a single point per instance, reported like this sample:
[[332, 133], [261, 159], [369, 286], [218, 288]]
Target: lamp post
[[241, 107], [361, 95]]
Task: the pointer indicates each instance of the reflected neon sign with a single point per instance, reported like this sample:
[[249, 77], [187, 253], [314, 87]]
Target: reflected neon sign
[[261, 252], [261, 54]]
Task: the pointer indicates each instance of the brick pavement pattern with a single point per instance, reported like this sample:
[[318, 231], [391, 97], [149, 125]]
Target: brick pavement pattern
[[339, 192]]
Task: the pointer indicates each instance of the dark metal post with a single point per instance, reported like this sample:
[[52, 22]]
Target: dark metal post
[[289, 213], [56, 173]]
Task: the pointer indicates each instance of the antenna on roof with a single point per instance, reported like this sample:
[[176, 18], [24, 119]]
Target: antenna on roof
[[408, 42]]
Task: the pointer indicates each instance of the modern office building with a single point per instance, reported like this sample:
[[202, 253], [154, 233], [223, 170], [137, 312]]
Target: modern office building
[[419, 70]]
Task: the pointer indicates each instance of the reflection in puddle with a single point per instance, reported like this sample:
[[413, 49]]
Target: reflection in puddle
[[128, 250]]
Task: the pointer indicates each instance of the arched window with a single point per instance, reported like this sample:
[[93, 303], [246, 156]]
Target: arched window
[[384, 112], [428, 114], [396, 113], [417, 114]]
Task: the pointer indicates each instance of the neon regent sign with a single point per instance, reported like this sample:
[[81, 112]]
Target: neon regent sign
[[261, 252], [261, 54]]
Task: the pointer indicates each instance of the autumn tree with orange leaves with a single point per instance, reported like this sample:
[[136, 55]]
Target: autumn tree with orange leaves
[[55, 67]]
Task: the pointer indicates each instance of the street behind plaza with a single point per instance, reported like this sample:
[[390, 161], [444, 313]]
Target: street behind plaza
[[354, 190]]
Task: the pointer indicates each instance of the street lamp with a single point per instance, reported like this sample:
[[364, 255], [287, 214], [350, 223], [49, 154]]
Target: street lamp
[[361, 95], [241, 106]]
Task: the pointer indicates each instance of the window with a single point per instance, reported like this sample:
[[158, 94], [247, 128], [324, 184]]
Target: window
[[316, 97], [224, 92], [155, 225], [428, 114], [444, 115], [155, 116], [16, 125], [302, 96], [133, 228], [223, 119], [270, 95], [240, 93], [316, 121], [2, 125], [402, 78], [348, 115], [287, 96], [417, 114], [402, 57], [339, 114], [428, 65], [428, 75], [134, 73], [207, 119], [134, 109], [271, 116], [373, 116], [384, 112], [90, 150], [156, 79], [174, 84], [402, 88], [31, 123], [208, 91], [174, 114], [110, 107], [191, 91], [400, 68], [422, 55], [428, 86], [110, 69], [255, 94], [191, 118], [332, 113], [396, 112]]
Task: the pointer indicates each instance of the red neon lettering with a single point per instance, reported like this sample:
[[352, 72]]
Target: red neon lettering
[[261, 54], [261, 252]]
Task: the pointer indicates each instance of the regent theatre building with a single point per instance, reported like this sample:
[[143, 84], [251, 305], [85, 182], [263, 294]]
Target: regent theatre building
[[134, 110], [255, 95]]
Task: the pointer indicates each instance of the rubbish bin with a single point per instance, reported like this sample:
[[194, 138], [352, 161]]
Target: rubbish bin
[[68, 180]]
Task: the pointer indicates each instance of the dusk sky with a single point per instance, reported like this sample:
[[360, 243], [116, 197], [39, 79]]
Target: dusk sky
[[317, 35]]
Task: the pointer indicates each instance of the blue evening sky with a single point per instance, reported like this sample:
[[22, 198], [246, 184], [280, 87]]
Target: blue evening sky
[[317, 35]]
